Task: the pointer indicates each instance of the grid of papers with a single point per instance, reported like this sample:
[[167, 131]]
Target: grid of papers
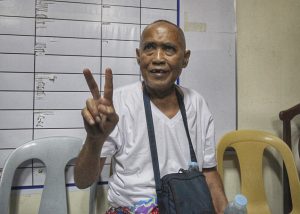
[[44, 46]]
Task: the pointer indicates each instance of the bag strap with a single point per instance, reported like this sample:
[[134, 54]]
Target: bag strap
[[152, 140], [183, 113], [151, 134]]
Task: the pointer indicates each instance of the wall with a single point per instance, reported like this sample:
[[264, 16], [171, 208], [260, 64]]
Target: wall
[[268, 64], [268, 68]]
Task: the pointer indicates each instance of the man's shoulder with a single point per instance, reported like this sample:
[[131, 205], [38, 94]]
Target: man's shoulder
[[129, 94], [191, 93], [194, 101], [130, 87]]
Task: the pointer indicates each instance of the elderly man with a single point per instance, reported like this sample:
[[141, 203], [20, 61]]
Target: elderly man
[[116, 126]]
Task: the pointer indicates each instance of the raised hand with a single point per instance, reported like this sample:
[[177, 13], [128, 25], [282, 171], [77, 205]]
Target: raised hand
[[99, 114]]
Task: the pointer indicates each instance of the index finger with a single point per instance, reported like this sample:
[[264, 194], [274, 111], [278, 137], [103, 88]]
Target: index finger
[[91, 83], [108, 85]]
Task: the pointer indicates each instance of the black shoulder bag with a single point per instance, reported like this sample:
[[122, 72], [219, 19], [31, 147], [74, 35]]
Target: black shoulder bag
[[185, 192]]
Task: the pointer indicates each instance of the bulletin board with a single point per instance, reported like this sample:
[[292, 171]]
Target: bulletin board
[[45, 44], [210, 30]]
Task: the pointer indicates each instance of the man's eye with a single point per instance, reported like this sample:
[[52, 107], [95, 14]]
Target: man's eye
[[170, 49], [148, 47]]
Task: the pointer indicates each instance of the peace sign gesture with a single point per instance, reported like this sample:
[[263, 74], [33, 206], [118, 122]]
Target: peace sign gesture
[[99, 114]]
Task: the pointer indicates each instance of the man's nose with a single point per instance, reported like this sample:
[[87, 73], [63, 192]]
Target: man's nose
[[159, 56]]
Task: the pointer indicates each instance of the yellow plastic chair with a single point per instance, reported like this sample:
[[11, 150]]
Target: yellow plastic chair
[[249, 146]]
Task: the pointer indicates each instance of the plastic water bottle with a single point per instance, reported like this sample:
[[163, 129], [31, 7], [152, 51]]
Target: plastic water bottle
[[238, 206], [193, 166]]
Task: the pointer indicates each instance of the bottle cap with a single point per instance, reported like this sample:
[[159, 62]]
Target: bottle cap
[[241, 200], [193, 164]]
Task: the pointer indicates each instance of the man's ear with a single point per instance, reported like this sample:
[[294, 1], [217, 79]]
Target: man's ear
[[187, 54], [137, 52]]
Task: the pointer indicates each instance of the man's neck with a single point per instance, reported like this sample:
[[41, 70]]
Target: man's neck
[[166, 101]]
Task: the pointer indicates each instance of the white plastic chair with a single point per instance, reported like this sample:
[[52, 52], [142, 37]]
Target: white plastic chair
[[55, 153], [93, 198]]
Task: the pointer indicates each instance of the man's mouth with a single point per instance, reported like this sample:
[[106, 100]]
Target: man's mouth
[[158, 71]]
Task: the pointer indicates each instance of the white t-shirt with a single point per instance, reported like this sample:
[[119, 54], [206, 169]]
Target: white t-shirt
[[128, 144]]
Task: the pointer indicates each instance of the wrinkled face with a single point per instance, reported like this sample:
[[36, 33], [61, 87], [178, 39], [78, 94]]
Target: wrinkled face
[[161, 56]]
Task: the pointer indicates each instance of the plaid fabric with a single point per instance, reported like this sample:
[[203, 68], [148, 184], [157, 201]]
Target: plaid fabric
[[126, 210]]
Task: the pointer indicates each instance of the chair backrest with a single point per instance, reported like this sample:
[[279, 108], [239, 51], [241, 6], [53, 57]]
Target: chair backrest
[[287, 116], [97, 196], [249, 146], [55, 153], [93, 198]]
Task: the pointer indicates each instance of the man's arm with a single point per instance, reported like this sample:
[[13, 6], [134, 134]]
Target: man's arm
[[100, 119], [216, 188], [88, 165]]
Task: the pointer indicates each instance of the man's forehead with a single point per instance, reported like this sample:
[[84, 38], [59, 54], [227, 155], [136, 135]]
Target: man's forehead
[[161, 27]]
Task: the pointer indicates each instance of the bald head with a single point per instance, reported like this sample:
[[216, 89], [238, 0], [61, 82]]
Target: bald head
[[158, 23]]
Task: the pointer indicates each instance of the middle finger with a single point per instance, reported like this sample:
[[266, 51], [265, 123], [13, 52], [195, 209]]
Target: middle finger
[[91, 105]]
